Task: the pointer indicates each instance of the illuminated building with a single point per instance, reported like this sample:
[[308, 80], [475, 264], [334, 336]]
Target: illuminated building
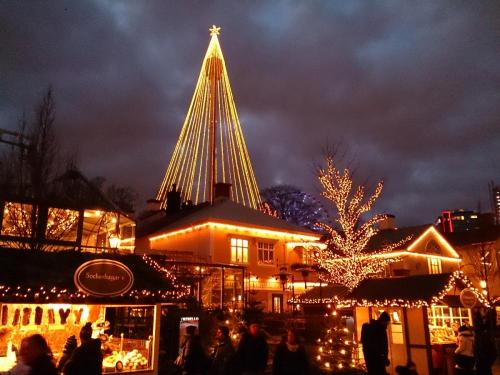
[[495, 201], [425, 310], [76, 215], [226, 234]]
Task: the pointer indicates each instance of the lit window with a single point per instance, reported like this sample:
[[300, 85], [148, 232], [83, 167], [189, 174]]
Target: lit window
[[277, 303], [239, 250], [17, 220], [266, 252], [434, 265]]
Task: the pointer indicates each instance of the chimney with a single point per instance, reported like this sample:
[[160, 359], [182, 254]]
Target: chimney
[[153, 205], [222, 190], [173, 200], [388, 223]]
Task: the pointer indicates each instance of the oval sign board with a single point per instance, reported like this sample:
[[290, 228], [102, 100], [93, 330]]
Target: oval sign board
[[104, 278], [468, 298]]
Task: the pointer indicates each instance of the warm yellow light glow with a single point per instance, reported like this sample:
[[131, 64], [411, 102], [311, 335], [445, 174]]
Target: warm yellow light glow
[[250, 231], [319, 245], [482, 284]]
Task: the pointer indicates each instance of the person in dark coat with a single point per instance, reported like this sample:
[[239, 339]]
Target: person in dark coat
[[223, 355], [36, 356], [290, 357], [252, 352], [485, 352], [87, 358], [375, 344], [192, 359]]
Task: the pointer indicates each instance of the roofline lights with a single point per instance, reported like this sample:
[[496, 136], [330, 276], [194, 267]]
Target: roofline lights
[[440, 239], [249, 230]]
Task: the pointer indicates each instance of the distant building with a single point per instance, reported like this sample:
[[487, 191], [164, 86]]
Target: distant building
[[460, 221], [495, 202]]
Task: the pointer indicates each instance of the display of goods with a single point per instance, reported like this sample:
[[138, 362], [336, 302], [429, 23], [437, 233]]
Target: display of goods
[[126, 361]]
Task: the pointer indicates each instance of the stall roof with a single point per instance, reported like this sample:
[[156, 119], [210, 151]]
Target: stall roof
[[418, 290], [415, 290], [36, 276]]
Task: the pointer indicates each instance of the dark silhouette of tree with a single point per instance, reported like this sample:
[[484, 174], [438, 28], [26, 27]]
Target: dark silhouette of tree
[[295, 206]]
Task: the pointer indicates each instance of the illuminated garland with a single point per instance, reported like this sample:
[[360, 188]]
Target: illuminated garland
[[398, 302], [52, 294], [47, 293], [344, 258]]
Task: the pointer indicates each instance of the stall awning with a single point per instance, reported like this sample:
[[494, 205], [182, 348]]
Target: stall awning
[[418, 290], [36, 276]]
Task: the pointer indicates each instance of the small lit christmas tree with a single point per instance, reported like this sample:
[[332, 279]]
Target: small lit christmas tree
[[337, 351]]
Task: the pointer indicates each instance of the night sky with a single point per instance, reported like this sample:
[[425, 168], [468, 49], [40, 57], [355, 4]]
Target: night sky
[[409, 89]]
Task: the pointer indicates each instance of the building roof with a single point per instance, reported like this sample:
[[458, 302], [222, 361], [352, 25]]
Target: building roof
[[473, 237], [388, 236], [222, 210], [25, 272]]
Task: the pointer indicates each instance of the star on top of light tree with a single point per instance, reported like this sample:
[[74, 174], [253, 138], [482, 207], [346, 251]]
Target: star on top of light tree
[[214, 30]]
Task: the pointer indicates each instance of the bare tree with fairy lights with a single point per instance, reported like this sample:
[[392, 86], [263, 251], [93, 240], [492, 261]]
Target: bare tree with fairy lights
[[344, 259]]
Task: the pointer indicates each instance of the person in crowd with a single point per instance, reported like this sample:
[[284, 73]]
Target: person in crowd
[[223, 355], [69, 347], [290, 357], [87, 358], [485, 352], [252, 352], [375, 344], [464, 353], [409, 369], [192, 359], [35, 358]]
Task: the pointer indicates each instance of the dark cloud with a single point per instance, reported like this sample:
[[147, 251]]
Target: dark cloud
[[410, 88]]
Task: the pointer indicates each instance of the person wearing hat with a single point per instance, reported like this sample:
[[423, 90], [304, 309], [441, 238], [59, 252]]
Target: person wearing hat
[[375, 344], [87, 358]]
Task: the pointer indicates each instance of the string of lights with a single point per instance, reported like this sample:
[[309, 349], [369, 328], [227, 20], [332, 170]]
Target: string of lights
[[211, 147], [344, 258]]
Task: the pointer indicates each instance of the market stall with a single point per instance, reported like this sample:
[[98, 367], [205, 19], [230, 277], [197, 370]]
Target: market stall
[[426, 312], [55, 294]]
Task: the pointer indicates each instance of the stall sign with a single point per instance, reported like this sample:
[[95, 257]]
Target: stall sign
[[468, 298], [103, 278]]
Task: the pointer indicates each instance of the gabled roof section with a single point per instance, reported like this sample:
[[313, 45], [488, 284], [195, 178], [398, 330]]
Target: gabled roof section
[[224, 211], [431, 233], [388, 236]]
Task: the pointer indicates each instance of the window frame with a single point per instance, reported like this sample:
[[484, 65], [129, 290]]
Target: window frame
[[266, 249], [238, 250]]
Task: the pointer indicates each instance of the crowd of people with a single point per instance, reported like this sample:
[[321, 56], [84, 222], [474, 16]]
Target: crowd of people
[[35, 356], [250, 357], [475, 352]]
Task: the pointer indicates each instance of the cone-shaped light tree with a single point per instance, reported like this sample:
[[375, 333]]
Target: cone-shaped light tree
[[211, 148], [344, 259]]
